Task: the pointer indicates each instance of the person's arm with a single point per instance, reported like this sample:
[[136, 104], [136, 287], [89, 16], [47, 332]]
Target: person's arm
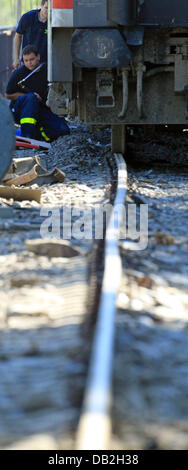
[[12, 91], [17, 47], [13, 96]]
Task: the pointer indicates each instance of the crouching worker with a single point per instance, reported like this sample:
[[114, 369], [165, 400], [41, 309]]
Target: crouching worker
[[27, 89]]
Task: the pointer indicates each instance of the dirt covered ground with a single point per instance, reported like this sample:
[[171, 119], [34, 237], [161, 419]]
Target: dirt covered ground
[[151, 366], [42, 360]]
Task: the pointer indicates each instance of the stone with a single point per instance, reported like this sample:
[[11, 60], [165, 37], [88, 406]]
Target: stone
[[37, 442], [52, 248], [164, 238], [22, 281], [6, 212]]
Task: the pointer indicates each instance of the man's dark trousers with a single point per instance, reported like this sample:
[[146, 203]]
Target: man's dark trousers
[[37, 120]]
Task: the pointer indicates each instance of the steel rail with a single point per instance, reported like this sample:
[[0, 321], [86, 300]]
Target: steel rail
[[94, 427]]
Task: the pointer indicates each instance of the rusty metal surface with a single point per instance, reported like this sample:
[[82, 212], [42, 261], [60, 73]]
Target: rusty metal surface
[[7, 137]]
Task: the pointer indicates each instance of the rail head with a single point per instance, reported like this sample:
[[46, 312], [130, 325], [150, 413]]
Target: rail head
[[95, 423]]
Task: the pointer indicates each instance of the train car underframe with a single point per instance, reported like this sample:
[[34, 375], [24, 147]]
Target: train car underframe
[[151, 90]]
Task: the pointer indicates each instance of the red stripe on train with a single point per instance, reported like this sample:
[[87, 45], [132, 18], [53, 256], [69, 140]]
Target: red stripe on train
[[63, 4]]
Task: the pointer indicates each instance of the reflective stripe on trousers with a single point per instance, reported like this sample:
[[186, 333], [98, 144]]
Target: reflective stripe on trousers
[[45, 137], [28, 121]]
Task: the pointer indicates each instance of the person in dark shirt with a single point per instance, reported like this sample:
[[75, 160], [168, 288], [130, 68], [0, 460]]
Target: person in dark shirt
[[32, 29], [27, 89]]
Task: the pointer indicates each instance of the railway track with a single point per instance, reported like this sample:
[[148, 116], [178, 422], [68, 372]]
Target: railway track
[[47, 302], [94, 430]]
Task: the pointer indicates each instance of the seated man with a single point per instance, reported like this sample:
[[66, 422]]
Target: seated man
[[27, 89]]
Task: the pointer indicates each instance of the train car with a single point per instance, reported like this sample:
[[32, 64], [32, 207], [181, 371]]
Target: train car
[[124, 62]]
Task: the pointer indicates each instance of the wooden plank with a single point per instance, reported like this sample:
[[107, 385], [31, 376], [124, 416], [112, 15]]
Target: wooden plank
[[20, 194]]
